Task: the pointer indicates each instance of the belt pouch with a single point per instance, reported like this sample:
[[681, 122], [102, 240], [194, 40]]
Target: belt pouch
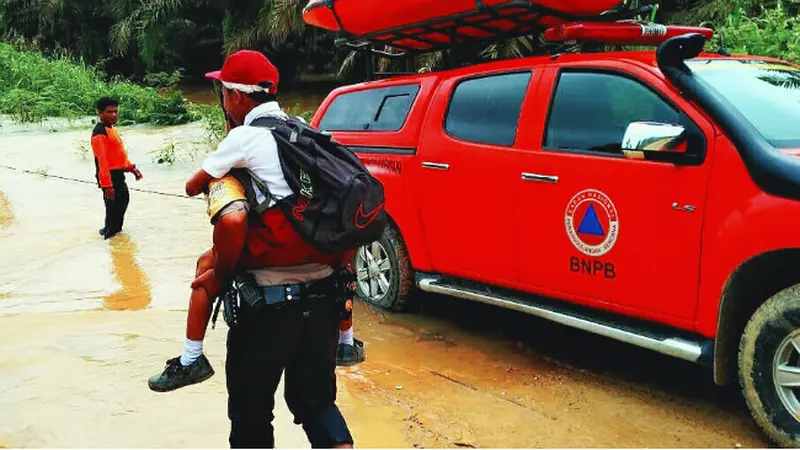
[[249, 292]]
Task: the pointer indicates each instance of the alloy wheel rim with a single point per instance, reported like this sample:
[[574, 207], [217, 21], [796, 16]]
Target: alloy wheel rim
[[373, 271], [786, 373]]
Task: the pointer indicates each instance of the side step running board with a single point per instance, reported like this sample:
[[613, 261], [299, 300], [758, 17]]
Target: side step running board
[[678, 347]]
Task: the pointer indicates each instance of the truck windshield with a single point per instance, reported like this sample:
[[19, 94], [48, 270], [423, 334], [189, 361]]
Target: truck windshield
[[766, 93]]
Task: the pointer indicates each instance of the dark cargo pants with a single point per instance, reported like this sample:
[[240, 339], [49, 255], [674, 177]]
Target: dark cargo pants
[[116, 209], [301, 337]]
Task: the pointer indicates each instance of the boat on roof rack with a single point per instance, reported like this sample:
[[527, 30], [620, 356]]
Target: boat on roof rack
[[429, 25], [419, 26]]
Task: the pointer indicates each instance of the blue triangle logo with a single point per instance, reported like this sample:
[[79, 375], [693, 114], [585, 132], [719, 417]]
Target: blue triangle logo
[[591, 224]]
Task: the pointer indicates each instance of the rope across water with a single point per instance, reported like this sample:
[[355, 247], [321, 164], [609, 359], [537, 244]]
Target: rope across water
[[77, 180]]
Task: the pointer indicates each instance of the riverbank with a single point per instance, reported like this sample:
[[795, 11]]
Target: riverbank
[[34, 88]]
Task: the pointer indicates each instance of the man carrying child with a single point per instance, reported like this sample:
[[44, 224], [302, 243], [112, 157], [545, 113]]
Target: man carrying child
[[298, 336]]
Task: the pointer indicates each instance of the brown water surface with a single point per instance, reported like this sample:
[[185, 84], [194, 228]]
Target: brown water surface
[[84, 322]]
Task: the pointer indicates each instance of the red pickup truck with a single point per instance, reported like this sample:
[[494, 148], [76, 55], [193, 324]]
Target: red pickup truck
[[649, 196]]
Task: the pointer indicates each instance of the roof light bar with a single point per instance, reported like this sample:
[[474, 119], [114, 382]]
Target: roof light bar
[[621, 33]]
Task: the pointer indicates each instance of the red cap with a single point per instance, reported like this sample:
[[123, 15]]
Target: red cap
[[247, 69]]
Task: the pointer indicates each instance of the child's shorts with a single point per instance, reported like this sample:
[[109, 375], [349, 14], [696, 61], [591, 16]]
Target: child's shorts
[[225, 196]]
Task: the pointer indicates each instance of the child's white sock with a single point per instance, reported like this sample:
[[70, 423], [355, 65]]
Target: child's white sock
[[191, 351], [346, 337]]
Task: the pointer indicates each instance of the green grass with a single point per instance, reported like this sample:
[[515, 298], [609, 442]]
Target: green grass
[[33, 87], [214, 122]]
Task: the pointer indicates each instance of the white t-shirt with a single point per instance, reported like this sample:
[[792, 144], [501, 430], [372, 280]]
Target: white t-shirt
[[254, 148]]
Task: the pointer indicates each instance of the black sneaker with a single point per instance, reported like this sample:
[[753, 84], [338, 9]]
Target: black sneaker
[[109, 234], [176, 376], [349, 355]]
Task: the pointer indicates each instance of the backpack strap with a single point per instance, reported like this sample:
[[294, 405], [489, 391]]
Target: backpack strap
[[265, 205], [299, 128], [247, 178], [269, 122]]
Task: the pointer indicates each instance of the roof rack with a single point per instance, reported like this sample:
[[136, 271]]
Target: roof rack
[[615, 28], [483, 24], [370, 52]]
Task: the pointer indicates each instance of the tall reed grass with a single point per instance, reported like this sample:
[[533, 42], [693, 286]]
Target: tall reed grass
[[33, 87]]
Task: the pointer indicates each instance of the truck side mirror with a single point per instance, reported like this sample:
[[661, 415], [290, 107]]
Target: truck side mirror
[[655, 141]]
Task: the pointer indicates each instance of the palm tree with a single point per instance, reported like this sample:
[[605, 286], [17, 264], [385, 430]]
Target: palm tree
[[72, 26], [145, 24]]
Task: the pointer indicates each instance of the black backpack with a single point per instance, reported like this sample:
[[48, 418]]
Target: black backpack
[[337, 204]]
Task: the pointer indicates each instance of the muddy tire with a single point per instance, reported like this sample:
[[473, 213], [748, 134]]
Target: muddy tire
[[769, 359], [385, 276]]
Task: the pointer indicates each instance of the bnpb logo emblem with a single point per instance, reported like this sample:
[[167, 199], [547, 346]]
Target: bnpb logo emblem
[[592, 222]]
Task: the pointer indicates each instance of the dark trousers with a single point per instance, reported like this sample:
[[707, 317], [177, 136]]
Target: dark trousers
[[301, 337], [115, 209]]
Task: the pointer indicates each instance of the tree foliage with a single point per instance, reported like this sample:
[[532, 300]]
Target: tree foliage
[[158, 41]]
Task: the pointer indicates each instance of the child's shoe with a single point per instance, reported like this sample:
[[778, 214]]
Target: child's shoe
[[349, 355], [176, 375]]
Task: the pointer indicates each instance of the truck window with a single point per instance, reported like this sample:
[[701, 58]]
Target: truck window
[[772, 103], [591, 111], [486, 110], [383, 109]]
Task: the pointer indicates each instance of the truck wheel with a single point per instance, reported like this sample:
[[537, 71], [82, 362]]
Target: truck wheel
[[769, 367], [383, 268]]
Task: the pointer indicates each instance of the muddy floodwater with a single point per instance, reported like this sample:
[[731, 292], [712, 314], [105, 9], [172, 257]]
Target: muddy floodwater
[[84, 322]]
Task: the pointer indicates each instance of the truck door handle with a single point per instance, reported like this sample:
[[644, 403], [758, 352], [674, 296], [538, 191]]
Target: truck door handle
[[437, 166], [683, 208], [539, 178]]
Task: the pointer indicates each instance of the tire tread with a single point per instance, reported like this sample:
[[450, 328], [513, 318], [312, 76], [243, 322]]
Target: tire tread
[[771, 313]]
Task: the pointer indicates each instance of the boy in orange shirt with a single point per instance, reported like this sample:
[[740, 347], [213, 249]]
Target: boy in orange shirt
[[111, 164]]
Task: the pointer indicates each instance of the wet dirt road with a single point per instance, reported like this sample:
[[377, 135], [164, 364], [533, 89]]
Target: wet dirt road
[[84, 322]]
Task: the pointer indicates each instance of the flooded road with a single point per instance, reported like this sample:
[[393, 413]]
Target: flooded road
[[84, 322]]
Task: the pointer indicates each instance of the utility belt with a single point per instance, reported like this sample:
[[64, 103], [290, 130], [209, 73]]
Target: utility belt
[[244, 296]]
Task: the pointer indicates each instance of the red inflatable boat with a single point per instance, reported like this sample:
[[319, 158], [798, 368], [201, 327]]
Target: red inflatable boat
[[423, 24]]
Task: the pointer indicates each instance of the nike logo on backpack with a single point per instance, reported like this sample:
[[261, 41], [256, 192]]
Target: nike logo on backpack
[[364, 219]]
